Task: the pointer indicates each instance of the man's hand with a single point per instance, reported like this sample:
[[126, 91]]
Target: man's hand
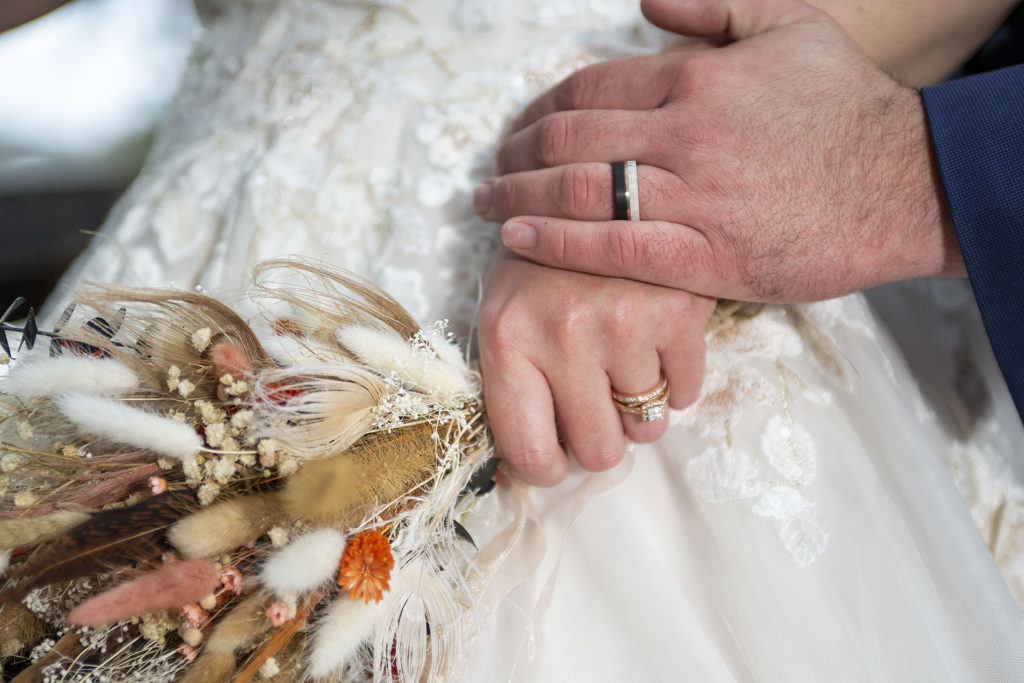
[[553, 345], [784, 166]]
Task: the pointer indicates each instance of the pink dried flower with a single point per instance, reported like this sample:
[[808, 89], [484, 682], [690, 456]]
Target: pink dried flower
[[188, 652], [279, 614], [232, 580], [157, 485], [194, 615]]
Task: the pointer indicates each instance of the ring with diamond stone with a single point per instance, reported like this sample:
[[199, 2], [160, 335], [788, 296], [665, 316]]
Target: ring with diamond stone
[[650, 405]]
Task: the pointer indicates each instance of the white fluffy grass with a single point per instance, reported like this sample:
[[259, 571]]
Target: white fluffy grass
[[346, 626], [121, 423], [46, 377], [305, 563], [386, 350]]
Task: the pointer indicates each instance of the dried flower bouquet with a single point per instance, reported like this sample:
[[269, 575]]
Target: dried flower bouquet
[[186, 499]]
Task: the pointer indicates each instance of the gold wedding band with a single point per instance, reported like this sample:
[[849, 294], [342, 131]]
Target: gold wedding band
[[650, 405]]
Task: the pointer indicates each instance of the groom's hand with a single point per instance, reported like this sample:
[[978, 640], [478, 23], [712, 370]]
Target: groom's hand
[[782, 166]]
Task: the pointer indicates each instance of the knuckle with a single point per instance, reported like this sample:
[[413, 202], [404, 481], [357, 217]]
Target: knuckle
[[508, 198], [577, 90], [500, 330], [569, 326], [625, 246], [600, 458], [698, 70], [681, 305], [530, 459], [577, 191], [628, 320], [552, 139]]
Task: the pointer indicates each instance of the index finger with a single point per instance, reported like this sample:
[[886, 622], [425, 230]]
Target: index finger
[[629, 83]]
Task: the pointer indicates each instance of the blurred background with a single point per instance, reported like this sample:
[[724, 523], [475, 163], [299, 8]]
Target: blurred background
[[83, 84]]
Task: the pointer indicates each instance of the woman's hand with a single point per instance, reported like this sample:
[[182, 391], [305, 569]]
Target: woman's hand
[[554, 344]]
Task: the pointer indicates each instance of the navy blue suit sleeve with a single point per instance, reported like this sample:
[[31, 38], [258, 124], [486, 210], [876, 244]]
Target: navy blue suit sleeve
[[977, 127]]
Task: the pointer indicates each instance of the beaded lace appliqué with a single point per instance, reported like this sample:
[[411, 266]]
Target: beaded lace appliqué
[[774, 473]]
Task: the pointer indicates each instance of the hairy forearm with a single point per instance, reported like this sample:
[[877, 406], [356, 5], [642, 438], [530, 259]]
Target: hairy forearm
[[919, 42]]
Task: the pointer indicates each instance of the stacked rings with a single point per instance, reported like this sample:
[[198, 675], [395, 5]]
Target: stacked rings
[[649, 405], [626, 191]]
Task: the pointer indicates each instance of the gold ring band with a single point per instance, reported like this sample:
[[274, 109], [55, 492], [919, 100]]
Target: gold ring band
[[650, 405], [633, 399]]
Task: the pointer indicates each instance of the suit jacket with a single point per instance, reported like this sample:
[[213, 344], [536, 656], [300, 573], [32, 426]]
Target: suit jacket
[[977, 128]]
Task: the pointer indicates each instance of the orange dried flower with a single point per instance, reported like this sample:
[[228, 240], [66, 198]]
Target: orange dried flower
[[365, 567]]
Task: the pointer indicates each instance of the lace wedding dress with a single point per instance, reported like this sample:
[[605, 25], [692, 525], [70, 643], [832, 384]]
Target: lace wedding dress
[[840, 505]]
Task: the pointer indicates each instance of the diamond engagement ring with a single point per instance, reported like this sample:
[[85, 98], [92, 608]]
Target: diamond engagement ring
[[649, 405]]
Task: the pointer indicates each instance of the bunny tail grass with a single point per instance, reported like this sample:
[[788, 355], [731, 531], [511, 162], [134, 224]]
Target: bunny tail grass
[[174, 584], [211, 667], [21, 531], [224, 526], [121, 423], [46, 377]]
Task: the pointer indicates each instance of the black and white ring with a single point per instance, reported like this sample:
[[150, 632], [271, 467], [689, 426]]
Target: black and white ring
[[626, 191]]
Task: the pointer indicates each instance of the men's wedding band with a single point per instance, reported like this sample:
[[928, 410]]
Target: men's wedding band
[[650, 405], [626, 191]]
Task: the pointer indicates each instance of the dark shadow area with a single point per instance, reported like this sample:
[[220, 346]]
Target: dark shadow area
[[42, 234]]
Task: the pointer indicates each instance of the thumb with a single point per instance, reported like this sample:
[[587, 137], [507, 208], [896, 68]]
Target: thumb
[[736, 19], [657, 252]]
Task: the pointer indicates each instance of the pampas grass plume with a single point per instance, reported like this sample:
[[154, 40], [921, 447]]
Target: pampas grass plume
[[305, 563], [174, 584], [46, 377], [118, 422], [224, 526]]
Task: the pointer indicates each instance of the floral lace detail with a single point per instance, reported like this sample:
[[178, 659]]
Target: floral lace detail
[[776, 476], [354, 131]]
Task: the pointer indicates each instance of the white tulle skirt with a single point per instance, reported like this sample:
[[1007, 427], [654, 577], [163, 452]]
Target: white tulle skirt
[[840, 505]]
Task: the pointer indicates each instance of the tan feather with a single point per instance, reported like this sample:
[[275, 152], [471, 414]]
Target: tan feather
[[112, 538], [224, 526], [329, 300], [344, 489], [317, 411], [159, 325]]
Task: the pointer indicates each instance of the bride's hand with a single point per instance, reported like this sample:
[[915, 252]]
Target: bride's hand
[[554, 344]]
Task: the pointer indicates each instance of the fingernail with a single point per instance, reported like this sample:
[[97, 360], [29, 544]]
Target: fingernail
[[518, 235], [483, 197]]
